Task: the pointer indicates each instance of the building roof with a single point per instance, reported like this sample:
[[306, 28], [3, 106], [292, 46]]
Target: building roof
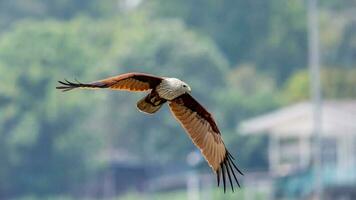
[[338, 117]]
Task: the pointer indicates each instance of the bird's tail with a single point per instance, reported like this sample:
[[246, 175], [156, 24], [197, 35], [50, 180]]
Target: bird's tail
[[150, 104]]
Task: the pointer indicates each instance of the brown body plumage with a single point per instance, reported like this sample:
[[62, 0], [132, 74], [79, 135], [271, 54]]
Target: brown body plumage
[[194, 118]]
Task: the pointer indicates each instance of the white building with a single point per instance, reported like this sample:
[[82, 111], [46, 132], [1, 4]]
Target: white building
[[290, 132]]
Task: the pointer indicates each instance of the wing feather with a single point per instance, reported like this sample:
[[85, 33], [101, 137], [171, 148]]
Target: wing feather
[[130, 82], [203, 131]]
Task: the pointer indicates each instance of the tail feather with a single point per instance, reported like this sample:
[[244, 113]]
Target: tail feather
[[145, 105]]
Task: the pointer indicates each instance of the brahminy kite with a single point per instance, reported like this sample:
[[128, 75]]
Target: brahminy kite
[[194, 118]]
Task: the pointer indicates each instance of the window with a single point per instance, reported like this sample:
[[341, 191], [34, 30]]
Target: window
[[289, 152], [329, 151]]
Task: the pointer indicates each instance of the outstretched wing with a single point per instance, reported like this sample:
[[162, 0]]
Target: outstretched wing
[[202, 129], [129, 82]]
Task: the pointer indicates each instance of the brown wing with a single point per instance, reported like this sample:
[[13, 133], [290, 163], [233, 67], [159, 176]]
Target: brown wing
[[130, 82], [202, 129]]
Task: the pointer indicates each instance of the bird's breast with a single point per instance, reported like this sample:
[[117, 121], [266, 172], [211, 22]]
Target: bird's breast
[[166, 91]]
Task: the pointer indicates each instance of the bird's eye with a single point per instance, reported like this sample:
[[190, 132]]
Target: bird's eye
[[184, 86]]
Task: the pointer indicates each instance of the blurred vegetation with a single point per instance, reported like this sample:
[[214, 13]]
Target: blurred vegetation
[[182, 194], [271, 33], [337, 83], [242, 58]]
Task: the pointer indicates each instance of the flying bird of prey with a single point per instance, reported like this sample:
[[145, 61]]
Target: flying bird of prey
[[194, 118]]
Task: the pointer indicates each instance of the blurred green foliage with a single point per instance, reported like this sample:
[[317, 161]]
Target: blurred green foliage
[[181, 194], [271, 33], [242, 58], [39, 139], [337, 83]]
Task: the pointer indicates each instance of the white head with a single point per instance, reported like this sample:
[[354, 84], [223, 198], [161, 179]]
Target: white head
[[171, 88]]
